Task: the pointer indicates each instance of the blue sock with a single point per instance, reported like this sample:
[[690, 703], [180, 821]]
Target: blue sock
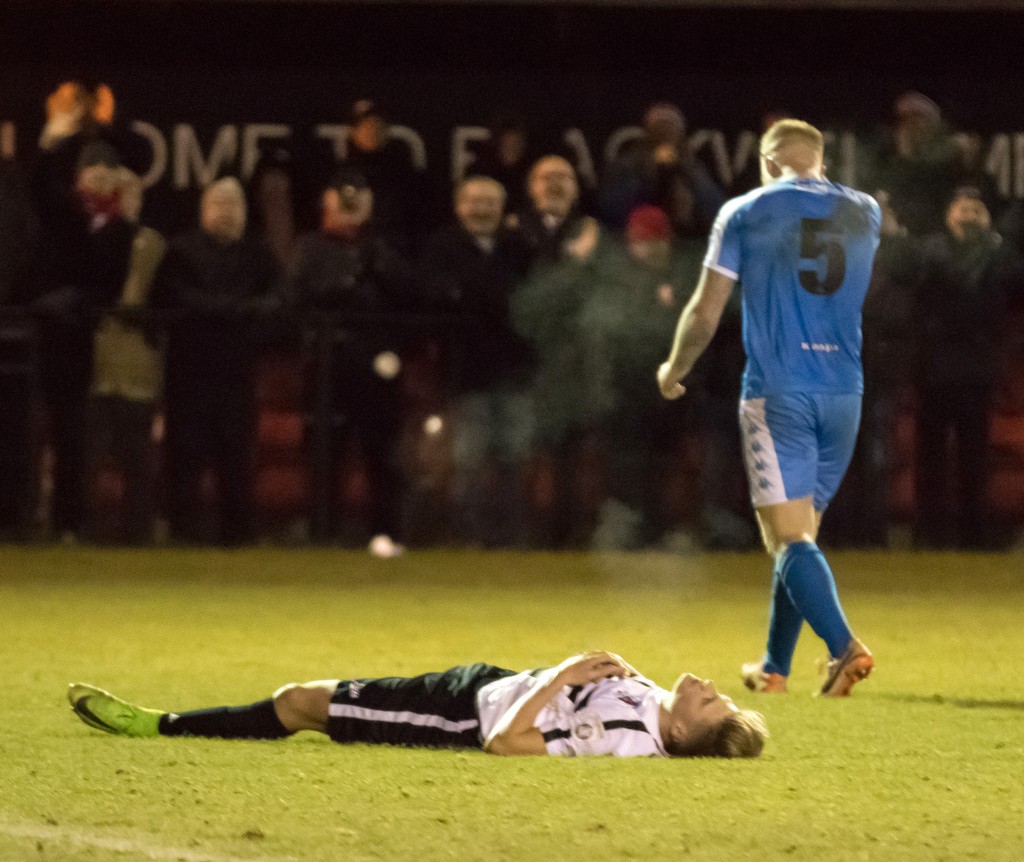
[[784, 623], [810, 584]]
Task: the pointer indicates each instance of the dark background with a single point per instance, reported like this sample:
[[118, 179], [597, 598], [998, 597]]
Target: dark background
[[436, 66]]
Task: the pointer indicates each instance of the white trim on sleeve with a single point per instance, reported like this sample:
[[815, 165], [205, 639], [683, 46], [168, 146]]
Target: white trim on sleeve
[[723, 270]]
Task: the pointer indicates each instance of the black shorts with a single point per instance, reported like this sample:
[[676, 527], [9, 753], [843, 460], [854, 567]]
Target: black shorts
[[435, 710]]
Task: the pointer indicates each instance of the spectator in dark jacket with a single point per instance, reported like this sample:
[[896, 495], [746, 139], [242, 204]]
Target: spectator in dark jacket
[[967, 272], [347, 277], [506, 158], [550, 228], [95, 240], [17, 245], [470, 269], [126, 381], [920, 164], [222, 281], [659, 169], [387, 165]]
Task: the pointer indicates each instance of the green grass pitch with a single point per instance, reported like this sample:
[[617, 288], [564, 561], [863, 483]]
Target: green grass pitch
[[924, 762]]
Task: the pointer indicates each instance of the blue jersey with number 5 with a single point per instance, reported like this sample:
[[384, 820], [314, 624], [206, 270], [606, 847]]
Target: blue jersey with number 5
[[802, 250]]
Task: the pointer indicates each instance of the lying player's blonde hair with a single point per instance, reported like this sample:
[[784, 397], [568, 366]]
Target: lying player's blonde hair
[[739, 734], [793, 143]]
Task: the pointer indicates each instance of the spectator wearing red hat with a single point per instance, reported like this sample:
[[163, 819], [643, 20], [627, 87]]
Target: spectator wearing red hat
[[641, 432]]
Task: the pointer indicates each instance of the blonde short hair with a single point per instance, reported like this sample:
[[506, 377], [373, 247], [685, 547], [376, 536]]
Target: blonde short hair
[[739, 734], [793, 143]]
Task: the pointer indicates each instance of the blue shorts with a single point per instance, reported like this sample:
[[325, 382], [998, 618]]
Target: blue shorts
[[797, 445]]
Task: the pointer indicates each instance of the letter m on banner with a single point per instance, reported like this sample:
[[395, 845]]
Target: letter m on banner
[[189, 161]]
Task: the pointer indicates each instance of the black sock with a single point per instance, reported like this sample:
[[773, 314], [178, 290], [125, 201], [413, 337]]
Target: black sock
[[255, 721]]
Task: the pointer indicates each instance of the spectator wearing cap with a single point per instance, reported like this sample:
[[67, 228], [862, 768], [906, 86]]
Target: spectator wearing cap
[[658, 168], [919, 164], [470, 268], [387, 166], [349, 278], [222, 283], [967, 273]]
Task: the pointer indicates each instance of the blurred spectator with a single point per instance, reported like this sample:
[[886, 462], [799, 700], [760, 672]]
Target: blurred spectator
[[470, 268], [551, 228], [725, 516], [388, 168], [272, 197], [95, 242], [18, 234], [347, 269], [127, 376], [18, 229], [967, 272], [660, 169], [919, 164], [629, 316], [859, 514], [222, 282], [506, 158], [571, 384], [970, 171], [76, 116]]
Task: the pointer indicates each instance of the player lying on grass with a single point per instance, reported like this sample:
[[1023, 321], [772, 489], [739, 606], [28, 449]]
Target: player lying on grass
[[594, 703]]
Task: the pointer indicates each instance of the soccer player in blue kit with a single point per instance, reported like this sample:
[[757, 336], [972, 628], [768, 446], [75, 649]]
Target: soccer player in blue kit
[[802, 249]]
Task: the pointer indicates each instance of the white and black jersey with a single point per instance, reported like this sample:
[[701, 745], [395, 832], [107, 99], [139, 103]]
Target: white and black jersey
[[612, 716]]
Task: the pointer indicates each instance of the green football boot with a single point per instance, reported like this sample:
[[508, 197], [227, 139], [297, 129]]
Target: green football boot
[[100, 709]]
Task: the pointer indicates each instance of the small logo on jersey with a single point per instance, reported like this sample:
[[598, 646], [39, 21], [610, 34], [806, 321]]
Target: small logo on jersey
[[353, 690], [583, 731], [631, 700]]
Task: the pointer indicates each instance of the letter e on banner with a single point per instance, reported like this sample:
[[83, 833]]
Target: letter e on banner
[[252, 134], [462, 156]]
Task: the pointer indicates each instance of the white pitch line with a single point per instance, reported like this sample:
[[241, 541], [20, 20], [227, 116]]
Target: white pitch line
[[148, 850]]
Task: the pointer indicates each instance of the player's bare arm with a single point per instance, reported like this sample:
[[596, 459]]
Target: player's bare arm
[[516, 733], [697, 326]]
